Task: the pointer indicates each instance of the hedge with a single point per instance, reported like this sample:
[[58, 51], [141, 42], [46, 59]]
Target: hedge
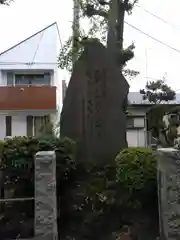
[[136, 167], [109, 196], [137, 178], [91, 196], [17, 178]]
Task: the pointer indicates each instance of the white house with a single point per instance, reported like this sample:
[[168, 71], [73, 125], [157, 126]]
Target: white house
[[137, 134], [30, 87]]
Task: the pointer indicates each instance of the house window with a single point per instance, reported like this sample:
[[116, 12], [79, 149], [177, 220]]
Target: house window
[[8, 125], [130, 122], [32, 79], [37, 124]]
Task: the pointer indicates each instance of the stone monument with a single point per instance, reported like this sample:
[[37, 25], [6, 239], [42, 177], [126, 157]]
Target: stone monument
[[169, 193], [168, 176], [93, 112]]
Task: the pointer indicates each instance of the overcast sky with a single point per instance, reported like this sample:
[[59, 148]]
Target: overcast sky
[[152, 59]]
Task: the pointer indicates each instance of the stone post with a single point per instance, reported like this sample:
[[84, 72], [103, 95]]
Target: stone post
[[169, 193], [45, 196]]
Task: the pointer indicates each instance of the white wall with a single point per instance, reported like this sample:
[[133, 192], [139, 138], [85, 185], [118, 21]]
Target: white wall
[[138, 110], [3, 78], [41, 48], [136, 137], [139, 122], [19, 125]]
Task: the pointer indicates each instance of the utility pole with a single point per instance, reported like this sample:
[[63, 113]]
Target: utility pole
[[75, 28]]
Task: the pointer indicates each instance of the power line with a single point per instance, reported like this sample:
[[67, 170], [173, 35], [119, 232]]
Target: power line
[[132, 26], [59, 35], [159, 18], [151, 78], [155, 39], [38, 45], [28, 63]]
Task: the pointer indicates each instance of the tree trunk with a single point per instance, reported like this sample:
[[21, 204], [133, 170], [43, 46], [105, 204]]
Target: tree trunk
[[116, 27], [120, 27], [75, 27], [112, 31]]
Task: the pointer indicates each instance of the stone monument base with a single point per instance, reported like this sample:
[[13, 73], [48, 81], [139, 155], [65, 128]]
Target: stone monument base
[[168, 166]]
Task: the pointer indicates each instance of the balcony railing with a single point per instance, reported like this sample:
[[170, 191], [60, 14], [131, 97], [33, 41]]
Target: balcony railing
[[23, 97]]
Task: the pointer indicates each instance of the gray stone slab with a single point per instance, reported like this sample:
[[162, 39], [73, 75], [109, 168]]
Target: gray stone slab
[[93, 110], [45, 196], [169, 193]]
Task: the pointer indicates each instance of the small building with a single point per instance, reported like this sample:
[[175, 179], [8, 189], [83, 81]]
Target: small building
[[30, 88], [137, 134]]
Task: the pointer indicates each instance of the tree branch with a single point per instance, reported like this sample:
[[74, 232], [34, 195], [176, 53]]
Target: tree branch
[[91, 11], [128, 6], [5, 2], [102, 2]]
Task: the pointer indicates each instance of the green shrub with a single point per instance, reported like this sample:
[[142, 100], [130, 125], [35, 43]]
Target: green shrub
[[98, 201], [17, 160], [136, 167], [136, 175], [17, 175], [20, 151]]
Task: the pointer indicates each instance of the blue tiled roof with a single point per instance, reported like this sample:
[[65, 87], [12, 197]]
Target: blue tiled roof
[[136, 98]]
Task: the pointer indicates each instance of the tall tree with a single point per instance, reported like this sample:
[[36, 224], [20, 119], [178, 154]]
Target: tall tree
[[107, 24], [157, 92]]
